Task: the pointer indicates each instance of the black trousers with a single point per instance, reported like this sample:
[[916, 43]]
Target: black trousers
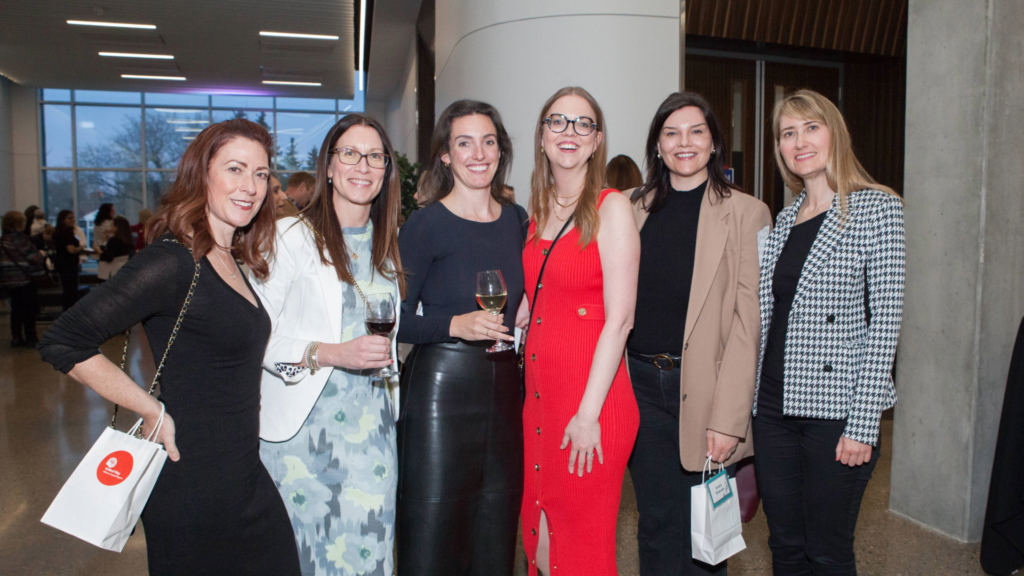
[[662, 484], [24, 307], [69, 286], [460, 469], [811, 500]]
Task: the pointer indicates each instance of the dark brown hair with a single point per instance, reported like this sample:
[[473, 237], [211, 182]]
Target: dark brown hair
[[123, 230], [659, 176], [438, 179], [384, 210], [183, 211], [623, 173], [542, 182]]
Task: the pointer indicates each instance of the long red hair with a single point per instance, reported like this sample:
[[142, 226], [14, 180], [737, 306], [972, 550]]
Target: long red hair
[[183, 210]]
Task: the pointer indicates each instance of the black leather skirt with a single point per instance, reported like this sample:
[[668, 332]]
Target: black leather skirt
[[460, 461]]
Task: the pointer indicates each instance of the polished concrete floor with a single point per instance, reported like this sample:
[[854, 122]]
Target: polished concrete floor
[[48, 422]]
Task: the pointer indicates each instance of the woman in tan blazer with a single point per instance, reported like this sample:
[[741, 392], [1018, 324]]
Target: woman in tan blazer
[[693, 351]]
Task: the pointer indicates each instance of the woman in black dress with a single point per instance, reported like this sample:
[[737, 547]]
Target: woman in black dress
[[67, 247], [214, 509], [460, 434]]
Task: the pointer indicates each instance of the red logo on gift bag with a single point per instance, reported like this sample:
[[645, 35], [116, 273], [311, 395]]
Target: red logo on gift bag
[[115, 468]]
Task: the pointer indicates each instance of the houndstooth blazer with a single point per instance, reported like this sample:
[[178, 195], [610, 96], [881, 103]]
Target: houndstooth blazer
[[837, 367]]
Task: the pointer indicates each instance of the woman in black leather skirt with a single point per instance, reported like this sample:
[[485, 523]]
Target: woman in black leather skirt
[[460, 437]]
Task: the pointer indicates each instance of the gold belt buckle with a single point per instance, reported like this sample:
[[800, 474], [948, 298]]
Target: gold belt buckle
[[664, 358]]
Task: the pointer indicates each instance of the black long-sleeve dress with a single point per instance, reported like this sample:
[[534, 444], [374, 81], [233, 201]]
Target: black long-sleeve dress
[[216, 510], [460, 435]]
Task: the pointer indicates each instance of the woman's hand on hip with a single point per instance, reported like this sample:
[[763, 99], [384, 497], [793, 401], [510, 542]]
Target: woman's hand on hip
[[852, 453], [479, 325], [167, 431], [721, 446], [357, 354], [585, 438]]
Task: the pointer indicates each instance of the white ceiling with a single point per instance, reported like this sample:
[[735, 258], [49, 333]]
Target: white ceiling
[[215, 43]]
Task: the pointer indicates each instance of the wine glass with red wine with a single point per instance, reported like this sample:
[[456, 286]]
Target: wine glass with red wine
[[380, 319]]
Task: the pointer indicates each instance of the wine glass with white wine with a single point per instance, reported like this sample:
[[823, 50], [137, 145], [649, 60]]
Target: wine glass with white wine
[[491, 294]]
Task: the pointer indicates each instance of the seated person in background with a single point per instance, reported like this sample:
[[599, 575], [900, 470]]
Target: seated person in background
[[300, 189], [140, 229], [43, 240]]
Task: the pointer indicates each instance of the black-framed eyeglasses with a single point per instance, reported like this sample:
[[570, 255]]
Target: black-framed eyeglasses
[[557, 123], [352, 157]]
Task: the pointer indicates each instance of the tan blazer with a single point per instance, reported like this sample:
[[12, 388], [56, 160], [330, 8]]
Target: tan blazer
[[722, 335]]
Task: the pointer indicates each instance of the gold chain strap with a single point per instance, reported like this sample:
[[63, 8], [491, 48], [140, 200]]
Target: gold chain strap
[[170, 341]]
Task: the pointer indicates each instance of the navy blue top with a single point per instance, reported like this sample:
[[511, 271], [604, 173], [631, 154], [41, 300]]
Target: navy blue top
[[441, 254]]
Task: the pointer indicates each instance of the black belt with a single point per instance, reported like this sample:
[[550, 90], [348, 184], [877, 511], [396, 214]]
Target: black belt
[[664, 362]]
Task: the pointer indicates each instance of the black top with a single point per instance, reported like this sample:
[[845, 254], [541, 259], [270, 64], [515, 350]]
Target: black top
[[668, 242], [116, 247], [784, 282], [62, 238], [211, 387], [441, 254]]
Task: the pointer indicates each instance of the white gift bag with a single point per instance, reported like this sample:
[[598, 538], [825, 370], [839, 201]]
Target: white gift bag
[[102, 500], [716, 532]]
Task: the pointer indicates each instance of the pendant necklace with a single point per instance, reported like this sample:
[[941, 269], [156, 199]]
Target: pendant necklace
[[230, 268]]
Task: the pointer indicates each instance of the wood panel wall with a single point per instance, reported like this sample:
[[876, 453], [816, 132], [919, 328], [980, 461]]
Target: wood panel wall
[[864, 26]]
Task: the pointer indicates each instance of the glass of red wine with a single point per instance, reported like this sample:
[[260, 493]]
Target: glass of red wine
[[380, 319]]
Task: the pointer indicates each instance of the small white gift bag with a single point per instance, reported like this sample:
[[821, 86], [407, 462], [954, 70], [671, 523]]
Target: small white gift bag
[[716, 532]]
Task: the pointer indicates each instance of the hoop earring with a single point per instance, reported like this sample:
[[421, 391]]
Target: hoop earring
[[447, 165], [541, 149]]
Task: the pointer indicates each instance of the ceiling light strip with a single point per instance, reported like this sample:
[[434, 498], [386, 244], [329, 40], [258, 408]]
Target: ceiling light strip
[[146, 77], [295, 35], [111, 24], [289, 83], [133, 55]]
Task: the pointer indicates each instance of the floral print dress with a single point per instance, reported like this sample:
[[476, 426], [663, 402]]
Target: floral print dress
[[339, 474]]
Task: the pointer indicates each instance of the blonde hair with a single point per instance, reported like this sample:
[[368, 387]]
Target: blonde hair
[[844, 172], [542, 182]]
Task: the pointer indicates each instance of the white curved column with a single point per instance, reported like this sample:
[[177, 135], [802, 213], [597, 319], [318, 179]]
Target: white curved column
[[514, 55]]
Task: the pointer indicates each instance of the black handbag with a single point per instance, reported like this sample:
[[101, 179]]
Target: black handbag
[[536, 292]]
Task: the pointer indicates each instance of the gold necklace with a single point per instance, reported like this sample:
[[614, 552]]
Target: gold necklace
[[566, 205]]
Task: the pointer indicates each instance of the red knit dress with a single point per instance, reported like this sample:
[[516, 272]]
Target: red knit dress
[[567, 321]]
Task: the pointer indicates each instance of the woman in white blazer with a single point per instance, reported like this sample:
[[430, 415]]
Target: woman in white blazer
[[831, 294], [327, 423]]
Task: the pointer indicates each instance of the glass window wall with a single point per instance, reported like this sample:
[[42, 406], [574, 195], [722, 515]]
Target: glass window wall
[[123, 147]]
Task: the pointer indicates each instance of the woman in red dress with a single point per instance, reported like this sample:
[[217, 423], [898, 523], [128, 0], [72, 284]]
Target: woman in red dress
[[580, 418]]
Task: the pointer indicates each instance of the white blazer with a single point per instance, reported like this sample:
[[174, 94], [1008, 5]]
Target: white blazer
[[304, 300]]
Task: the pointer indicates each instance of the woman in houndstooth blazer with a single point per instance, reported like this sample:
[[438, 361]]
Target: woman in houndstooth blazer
[[831, 294]]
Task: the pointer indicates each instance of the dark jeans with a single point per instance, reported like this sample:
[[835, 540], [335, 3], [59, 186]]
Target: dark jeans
[[24, 306], [662, 485], [811, 500]]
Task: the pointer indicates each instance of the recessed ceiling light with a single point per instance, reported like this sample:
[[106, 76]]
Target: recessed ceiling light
[[188, 137], [293, 35], [112, 24], [131, 55], [287, 83], [188, 121], [144, 77]]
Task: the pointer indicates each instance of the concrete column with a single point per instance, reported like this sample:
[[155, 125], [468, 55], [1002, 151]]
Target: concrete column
[[514, 55], [28, 188], [964, 190], [6, 148]]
